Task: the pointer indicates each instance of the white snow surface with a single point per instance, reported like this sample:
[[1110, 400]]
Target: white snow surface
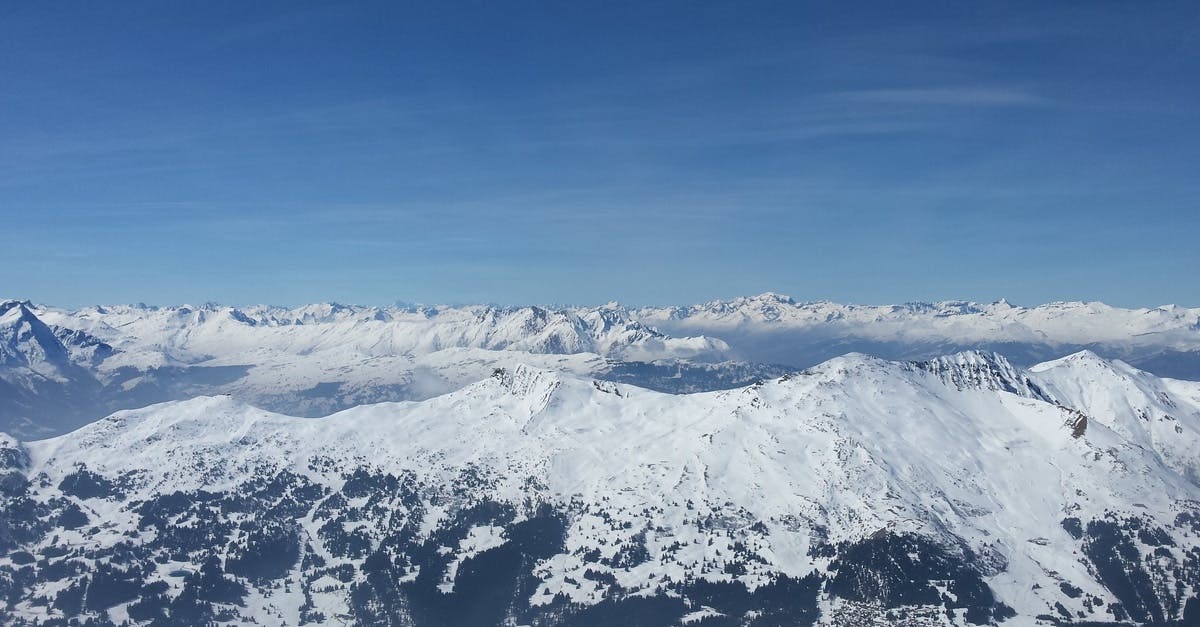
[[852, 446]]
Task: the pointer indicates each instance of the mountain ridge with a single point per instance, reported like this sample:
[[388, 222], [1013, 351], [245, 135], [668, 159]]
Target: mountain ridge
[[795, 480], [317, 359]]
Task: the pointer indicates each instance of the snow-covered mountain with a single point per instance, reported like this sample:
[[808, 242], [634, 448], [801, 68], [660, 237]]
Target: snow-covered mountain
[[960, 490], [154, 336], [74, 366], [317, 359], [46, 381], [28, 345], [771, 328]]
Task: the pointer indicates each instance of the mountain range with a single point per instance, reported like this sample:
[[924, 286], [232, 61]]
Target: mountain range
[[954, 490], [61, 368], [771, 328]]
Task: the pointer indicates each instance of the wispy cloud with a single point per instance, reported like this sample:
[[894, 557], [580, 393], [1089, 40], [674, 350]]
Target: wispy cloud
[[965, 96]]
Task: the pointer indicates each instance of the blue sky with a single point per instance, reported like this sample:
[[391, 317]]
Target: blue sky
[[649, 152]]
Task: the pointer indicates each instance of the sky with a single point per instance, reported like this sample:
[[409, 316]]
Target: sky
[[581, 152]]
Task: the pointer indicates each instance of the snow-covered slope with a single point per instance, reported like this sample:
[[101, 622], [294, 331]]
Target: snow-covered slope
[[860, 491], [1158, 414]]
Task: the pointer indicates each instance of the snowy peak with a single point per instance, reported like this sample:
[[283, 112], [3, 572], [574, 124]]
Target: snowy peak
[[765, 307], [980, 370], [318, 313], [534, 386], [27, 342], [1155, 413], [1080, 360], [25, 339], [1086, 370], [84, 349], [9, 304], [46, 381]]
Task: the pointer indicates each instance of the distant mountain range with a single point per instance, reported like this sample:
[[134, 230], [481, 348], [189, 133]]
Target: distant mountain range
[[958, 490], [60, 369], [771, 328]]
